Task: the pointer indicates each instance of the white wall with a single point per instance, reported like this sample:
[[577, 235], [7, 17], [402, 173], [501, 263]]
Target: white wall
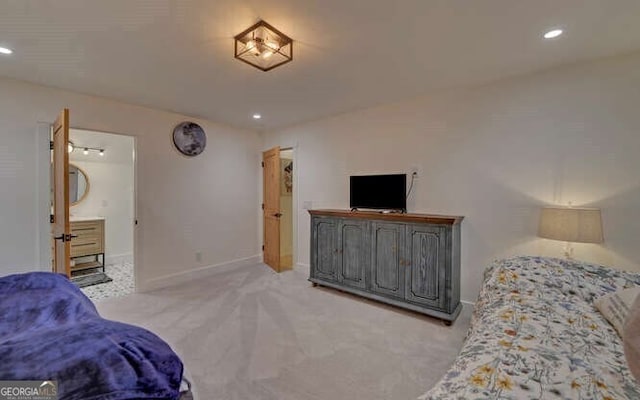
[[205, 204], [494, 154]]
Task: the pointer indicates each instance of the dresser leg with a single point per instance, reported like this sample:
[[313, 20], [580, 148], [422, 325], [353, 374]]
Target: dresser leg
[[313, 284]]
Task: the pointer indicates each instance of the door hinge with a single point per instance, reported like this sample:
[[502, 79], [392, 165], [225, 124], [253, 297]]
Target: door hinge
[[51, 219], [262, 163], [50, 144]]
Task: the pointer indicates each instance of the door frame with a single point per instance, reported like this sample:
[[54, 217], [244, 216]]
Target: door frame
[[294, 203], [45, 245]]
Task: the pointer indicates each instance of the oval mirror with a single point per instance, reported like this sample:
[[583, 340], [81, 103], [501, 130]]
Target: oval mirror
[[78, 185]]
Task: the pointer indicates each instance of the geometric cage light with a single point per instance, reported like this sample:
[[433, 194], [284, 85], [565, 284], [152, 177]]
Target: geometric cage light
[[263, 47]]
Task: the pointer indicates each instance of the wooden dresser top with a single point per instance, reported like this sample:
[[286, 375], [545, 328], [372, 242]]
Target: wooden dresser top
[[424, 218]]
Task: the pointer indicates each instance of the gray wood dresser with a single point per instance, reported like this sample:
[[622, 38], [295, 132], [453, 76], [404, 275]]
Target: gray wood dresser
[[407, 260]]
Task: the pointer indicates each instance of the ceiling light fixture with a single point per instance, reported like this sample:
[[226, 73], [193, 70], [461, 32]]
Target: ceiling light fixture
[[257, 116], [553, 34], [4, 50], [263, 47], [101, 152], [86, 151]]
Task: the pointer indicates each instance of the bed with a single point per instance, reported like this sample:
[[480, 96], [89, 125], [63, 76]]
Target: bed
[[535, 334], [49, 330]]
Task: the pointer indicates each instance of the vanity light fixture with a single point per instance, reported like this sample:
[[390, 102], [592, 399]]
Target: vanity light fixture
[[85, 150], [263, 47]]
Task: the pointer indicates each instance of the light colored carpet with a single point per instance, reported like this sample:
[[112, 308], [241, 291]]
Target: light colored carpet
[[250, 333]]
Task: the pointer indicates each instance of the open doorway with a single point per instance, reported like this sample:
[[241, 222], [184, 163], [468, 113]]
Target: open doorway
[[286, 208], [102, 212], [278, 206]]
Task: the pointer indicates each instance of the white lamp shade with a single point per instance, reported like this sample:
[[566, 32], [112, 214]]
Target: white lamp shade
[[582, 225]]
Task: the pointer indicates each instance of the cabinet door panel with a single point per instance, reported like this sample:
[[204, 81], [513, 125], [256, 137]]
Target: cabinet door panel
[[386, 254], [425, 274], [353, 252], [325, 241]]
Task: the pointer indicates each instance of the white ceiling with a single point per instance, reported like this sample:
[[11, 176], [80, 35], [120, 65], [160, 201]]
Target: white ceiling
[[118, 149], [349, 54]]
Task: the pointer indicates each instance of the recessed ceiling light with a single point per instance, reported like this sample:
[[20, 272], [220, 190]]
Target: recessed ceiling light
[[553, 34], [257, 116], [4, 50]]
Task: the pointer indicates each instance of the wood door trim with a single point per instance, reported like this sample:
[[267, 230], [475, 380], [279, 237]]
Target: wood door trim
[[61, 248], [271, 208]]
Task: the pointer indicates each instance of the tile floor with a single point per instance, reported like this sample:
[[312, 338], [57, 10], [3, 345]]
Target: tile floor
[[122, 284]]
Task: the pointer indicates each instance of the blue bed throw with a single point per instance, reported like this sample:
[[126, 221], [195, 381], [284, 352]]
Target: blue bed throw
[[49, 330]]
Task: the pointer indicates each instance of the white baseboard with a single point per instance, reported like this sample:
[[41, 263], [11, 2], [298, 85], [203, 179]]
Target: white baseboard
[[119, 259], [303, 266], [196, 273], [469, 303]]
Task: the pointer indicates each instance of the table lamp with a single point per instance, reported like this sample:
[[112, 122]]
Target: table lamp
[[571, 225]]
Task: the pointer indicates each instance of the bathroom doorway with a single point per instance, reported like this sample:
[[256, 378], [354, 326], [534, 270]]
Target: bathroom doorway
[[286, 207], [102, 212]]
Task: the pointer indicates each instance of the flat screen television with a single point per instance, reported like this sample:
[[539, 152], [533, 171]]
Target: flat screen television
[[386, 192]]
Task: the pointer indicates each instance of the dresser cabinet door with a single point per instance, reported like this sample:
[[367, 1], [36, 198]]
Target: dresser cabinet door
[[325, 251], [387, 275], [425, 273], [353, 252]]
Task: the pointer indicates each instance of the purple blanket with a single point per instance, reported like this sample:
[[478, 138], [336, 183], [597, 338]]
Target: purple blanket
[[49, 330]]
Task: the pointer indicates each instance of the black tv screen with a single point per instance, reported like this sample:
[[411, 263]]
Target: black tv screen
[[379, 192]]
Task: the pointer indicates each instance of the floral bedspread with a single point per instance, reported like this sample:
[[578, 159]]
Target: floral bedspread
[[535, 334]]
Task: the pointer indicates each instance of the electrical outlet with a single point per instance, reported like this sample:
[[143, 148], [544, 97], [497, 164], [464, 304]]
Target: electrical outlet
[[198, 256]]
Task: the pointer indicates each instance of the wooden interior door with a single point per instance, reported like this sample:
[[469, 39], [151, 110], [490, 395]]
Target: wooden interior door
[[61, 228], [271, 207]]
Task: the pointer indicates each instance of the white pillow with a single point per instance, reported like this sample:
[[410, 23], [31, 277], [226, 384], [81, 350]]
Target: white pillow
[[631, 338], [615, 306]]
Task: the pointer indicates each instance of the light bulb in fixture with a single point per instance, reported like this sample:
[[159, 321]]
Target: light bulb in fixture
[[102, 152], [257, 116], [252, 47], [552, 34], [70, 147], [4, 50], [86, 151], [272, 45], [267, 54]]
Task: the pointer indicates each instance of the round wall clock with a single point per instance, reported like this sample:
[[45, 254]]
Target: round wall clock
[[189, 138]]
